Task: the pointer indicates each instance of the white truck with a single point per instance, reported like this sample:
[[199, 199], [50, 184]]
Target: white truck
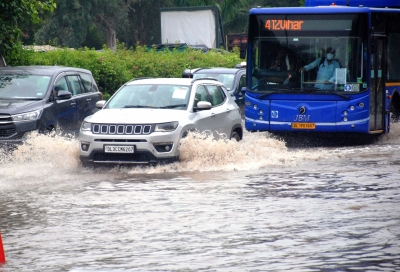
[[195, 26]]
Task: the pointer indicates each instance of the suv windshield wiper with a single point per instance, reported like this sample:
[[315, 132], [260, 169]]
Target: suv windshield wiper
[[21, 98], [173, 106], [140, 106]]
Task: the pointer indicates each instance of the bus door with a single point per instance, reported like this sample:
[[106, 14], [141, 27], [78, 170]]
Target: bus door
[[378, 72]]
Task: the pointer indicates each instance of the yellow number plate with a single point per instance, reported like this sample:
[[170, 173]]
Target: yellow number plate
[[303, 125]]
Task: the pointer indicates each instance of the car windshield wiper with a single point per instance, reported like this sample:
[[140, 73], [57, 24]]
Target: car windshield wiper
[[24, 98], [173, 106], [140, 106]]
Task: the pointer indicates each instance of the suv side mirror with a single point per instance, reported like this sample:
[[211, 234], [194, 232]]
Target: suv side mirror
[[243, 90], [100, 104], [203, 105], [63, 95]]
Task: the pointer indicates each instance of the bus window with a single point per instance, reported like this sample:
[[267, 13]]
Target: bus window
[[306, 47]]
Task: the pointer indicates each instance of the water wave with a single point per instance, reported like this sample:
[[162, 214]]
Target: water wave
[[42, 157]]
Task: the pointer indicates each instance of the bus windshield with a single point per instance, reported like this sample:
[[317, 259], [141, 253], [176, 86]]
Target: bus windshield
[[308, 52]]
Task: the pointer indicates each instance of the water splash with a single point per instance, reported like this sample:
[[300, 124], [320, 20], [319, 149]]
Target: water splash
[[393, 137], [199, 152], [43, 157]]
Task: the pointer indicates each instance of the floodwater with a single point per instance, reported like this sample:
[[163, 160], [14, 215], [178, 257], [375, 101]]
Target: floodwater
[[256, 205]]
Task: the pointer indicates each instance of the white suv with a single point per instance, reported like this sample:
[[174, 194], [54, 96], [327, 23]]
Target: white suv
[[145, 119]]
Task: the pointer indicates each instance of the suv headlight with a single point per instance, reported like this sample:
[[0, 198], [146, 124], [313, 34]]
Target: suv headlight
[[86, 126], [27, 116], [165, 127]]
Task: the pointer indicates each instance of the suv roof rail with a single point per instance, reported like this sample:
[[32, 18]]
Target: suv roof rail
[[204, 78], [138, 78]]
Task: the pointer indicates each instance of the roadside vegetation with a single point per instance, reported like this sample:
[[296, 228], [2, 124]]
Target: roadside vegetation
[[86, 26], [112, 69]]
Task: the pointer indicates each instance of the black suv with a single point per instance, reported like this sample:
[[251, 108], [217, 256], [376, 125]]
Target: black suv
[[234, 80], [44, 98]]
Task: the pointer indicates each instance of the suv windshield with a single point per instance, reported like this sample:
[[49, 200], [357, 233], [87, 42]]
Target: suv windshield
[[23, 86], [151, 96]]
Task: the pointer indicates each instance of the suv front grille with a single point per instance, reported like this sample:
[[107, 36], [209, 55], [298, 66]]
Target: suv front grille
[[7, 127], [122, 129]]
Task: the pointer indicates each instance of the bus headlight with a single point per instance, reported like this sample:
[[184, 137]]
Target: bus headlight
[[345, 113]]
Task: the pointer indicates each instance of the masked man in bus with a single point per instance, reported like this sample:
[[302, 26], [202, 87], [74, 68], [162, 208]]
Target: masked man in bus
[[326, 70]]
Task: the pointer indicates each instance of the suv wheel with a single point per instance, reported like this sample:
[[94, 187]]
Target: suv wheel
[[235, 136]]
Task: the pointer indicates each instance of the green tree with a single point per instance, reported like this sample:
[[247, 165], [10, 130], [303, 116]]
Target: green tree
[[71, 21], [234, 15], [143, 23], [15, 12]]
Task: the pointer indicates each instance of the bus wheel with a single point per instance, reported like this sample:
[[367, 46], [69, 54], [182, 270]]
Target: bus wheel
[[395, 108], [394, 117]]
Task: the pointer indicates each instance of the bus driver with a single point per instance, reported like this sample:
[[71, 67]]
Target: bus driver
[[326, 70]]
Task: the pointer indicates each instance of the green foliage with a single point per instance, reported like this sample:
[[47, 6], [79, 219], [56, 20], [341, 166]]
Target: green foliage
[[113, 69], [14, 12]]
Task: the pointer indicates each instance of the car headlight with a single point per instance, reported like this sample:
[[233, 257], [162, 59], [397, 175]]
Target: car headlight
[[86, 126], [171, 126], [27, 116]]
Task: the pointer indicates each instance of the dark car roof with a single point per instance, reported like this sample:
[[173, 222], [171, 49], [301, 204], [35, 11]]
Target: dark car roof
[[39, 70]]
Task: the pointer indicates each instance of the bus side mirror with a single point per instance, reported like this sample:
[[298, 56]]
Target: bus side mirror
[[243, 47], [242, 53]]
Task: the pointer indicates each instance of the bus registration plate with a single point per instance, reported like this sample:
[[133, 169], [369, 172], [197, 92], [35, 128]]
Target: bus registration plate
[[303, 125], [119, 149]]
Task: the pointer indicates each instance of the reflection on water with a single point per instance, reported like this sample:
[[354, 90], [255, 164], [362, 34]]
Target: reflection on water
[[256, 205]]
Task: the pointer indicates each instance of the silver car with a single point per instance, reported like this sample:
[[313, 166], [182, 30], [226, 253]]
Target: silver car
[[144, 121]]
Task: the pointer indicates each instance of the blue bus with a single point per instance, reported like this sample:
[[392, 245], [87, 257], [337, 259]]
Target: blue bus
[[324, 68]]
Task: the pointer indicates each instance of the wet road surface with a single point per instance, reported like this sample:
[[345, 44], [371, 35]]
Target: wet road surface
[[256, 205]]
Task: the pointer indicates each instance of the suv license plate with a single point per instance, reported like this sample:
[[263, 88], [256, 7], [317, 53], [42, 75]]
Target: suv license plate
[[119, 149], [303, 125]]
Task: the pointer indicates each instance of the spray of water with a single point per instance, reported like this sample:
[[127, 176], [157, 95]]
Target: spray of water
[[200, 152], [393, 137], [44, 158]]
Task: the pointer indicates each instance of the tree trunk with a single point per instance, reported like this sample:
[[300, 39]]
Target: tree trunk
[[111, 39]]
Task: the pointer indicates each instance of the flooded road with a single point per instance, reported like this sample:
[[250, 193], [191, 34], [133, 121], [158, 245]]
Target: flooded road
[[255, 205]]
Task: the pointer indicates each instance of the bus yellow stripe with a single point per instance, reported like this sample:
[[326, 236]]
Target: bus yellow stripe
[[391, 84]]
